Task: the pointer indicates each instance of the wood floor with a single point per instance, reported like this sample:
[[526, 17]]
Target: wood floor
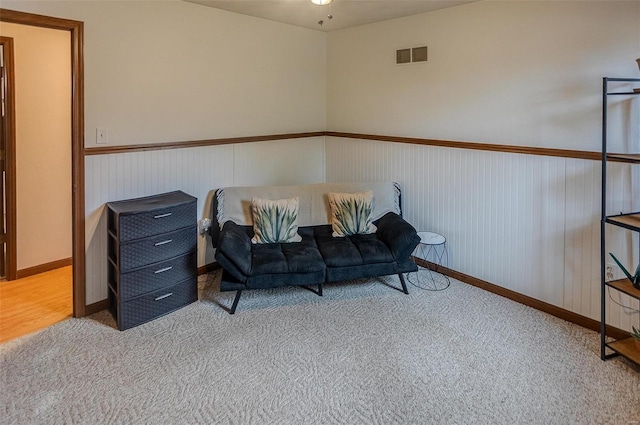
[[35, 302]]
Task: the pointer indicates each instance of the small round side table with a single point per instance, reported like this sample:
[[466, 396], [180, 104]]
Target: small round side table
[[432, 245]]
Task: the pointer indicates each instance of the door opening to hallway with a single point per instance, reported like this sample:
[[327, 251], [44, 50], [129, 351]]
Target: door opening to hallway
[[36, 184]]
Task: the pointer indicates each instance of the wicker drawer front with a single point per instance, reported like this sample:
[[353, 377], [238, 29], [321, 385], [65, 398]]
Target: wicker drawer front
[[152, 305], [142, 225], [142, 252], [152, 277], [152, 215]]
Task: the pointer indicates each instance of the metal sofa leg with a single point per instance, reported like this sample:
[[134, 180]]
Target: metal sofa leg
[[235, 302], [404, 285], [317, 292]]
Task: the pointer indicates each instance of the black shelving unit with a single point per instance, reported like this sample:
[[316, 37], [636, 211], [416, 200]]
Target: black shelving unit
[[611, 347]]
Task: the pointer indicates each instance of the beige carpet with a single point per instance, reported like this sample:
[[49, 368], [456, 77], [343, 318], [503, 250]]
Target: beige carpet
[[362, 354]]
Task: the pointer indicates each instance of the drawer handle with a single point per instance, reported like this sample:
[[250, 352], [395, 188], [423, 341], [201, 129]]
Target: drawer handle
[[163, 242], [162, 215], [166, 269], [162, 297]]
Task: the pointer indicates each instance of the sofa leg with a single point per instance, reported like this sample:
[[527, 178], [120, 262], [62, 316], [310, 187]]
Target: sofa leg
[[315, 291], [235, 302], [404, 285]]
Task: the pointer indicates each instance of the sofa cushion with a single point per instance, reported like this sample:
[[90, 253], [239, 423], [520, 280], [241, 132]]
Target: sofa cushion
[[275, 221], [274, 258], [352, 250], [351, 213]]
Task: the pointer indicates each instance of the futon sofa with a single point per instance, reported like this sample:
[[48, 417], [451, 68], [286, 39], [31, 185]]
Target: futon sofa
[[318, 255]]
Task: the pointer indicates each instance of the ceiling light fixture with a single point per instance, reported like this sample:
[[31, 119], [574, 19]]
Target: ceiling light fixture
[[321, 2]]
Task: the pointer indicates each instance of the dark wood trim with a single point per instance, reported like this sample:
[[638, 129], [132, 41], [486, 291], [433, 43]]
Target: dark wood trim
[[527, 150], [30, 271], [208, 268], [563, 153], [32, 19], [10, 161], [199, 143], [96, 307], [76, 29], [551, 309], [77, 125]]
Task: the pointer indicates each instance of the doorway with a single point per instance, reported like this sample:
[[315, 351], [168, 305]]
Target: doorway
[[36, 100], [40, 82], [76, 31]]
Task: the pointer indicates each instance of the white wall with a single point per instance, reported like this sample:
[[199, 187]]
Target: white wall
[[509, 72], [522, 73], [43, 143], [168, 71]]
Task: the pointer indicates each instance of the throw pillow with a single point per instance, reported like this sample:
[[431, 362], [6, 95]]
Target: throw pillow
[[351, 213], [275, 221]]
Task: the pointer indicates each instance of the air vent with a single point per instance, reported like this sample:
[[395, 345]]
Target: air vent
[[403, 56], [419, 54], [411, 55]]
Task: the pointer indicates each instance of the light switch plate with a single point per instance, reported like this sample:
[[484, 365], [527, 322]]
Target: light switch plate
[[102, 136]]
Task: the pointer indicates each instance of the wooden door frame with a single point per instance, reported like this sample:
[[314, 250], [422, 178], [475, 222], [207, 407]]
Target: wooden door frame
[[10, 159], [76, 29]]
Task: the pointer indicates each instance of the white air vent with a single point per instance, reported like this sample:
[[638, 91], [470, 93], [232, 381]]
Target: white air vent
[[411, 55]]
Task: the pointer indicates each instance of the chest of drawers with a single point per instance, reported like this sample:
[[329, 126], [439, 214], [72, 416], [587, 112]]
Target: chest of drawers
[[152, 264]]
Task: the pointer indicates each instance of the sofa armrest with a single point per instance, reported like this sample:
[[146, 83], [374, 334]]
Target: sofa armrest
[[234, 245], [400, 236]]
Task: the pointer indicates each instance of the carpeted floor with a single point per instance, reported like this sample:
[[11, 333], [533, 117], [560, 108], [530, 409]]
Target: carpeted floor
[[362, 354]]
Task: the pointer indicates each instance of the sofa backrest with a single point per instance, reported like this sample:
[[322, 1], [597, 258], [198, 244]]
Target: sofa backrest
[[234, 203]]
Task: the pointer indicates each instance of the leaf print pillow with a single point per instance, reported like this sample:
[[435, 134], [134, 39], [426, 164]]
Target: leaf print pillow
[[351, 213], [275, 221]]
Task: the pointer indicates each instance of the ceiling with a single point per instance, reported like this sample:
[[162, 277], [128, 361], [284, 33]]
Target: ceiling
[[345, 13]]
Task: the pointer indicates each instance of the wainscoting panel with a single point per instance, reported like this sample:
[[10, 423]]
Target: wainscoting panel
[[582, 238], [197, 171], [622, 179], [527, 223]]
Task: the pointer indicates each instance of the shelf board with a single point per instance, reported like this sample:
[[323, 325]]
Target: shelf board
[[625, 286], [628, 80], [627, 348], [633, 158], [629, 221]]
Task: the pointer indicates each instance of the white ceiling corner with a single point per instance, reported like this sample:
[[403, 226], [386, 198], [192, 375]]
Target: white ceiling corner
[[345, 13]]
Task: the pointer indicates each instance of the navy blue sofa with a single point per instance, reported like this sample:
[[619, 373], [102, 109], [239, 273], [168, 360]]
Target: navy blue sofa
[[319, 257]]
